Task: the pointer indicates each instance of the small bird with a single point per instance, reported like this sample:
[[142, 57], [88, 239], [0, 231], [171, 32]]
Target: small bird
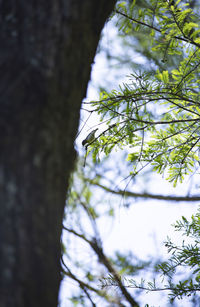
[[90, 137]]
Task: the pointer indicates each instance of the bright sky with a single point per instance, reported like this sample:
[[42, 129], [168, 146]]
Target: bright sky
[[145, 225]]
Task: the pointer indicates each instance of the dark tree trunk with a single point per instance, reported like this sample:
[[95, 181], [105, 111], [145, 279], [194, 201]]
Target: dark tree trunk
[[46, 51]]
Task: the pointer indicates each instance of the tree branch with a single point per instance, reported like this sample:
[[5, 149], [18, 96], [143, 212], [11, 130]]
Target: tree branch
[[185, 39], [144, 195], [105, 261]]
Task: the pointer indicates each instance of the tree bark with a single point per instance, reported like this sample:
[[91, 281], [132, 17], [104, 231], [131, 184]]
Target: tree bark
[[47, 48]]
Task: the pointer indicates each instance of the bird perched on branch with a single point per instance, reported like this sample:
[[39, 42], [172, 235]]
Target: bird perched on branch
[[89, 138]]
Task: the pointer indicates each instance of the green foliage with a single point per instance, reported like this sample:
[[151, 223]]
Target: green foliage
[[184, 258], [184, 261], [84, 260], [156, 115], [128, 264]]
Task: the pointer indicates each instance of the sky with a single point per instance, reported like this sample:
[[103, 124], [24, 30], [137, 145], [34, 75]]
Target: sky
[[145, 225]]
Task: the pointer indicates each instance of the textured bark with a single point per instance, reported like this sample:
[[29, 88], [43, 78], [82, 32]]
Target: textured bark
[[47, 48]]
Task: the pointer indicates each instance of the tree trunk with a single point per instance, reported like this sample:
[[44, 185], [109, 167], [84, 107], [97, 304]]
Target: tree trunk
[[47, 48]]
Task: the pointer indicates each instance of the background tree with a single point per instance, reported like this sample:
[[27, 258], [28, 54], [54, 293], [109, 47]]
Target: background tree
[[156, 113], [180, 273], [88, 269], [47, 48]]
